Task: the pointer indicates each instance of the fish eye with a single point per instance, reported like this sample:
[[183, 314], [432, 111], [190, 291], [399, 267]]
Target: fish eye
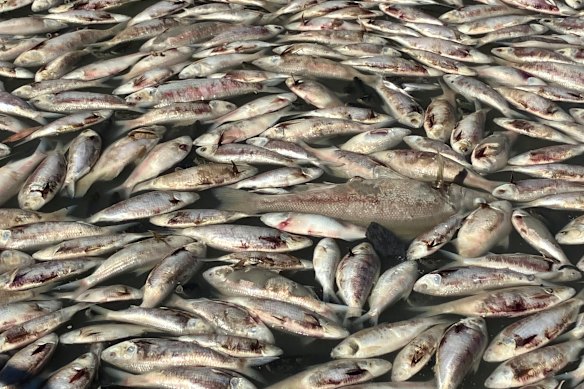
[[183, 147]]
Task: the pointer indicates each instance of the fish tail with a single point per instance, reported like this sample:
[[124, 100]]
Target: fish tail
[[368, 317], [69, 188], [84, 184], [351, 312], [237, 200], [84, 284], [330, 296]]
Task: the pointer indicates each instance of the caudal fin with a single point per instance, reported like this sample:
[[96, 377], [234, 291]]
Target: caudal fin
[[237, 200]]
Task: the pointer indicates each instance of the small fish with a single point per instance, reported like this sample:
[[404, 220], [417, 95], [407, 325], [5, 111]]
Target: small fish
[[77, 373], [538, 236], [38, 235], [151, 354], [29, 361], [532, 332], [171, 321], [291, 318], [467, 280], [176, 269], [46, 273], [176, 376], [529, 190], [263, 283], [492, 153], [432, 240], [382, 338], [227, 317], [33, 330], [20, 312], [231, 237], [195, 217], [483, 228], [549, 154], [144, 206], [532, 367], [44, 183], [417, 353], [105, 294], [325, 259], [130, 148], [394, 284], [357, 272], [459, 351], [330, 375], [199, 177], [313, 225], [509, 302]]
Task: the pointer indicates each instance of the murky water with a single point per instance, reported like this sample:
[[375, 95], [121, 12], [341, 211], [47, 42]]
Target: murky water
[[298, 354]]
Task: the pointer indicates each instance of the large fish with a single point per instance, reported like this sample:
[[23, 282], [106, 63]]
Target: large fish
[[406, 207]]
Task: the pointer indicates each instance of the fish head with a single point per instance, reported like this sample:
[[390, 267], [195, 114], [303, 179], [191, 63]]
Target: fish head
[[142, 98], [501, 377], [198, 249], [418, 249], [221, 107], [42, 101], [428, 282], [240, 383], [217, 274], [311, 173], [518, 218], [333, 330], [275, 29], [24, 91], [184, 197], [500, 348], [124, 351], [30, 58], [5, 236], [567, 273], [451, 79], [561, 292], [268, 63], [576, 4], [375, 366], [506, 191], [207, 151], [348, 348], [208, 138], [33, 201], [463, 146], [414, 119], [259, 141], [570, 235]]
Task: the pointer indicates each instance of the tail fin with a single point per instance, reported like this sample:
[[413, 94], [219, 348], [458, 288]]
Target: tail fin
[[237, 200], [85, 183]]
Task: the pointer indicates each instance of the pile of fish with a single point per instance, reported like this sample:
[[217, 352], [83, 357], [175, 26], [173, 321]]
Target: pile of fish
[[291, 194]]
